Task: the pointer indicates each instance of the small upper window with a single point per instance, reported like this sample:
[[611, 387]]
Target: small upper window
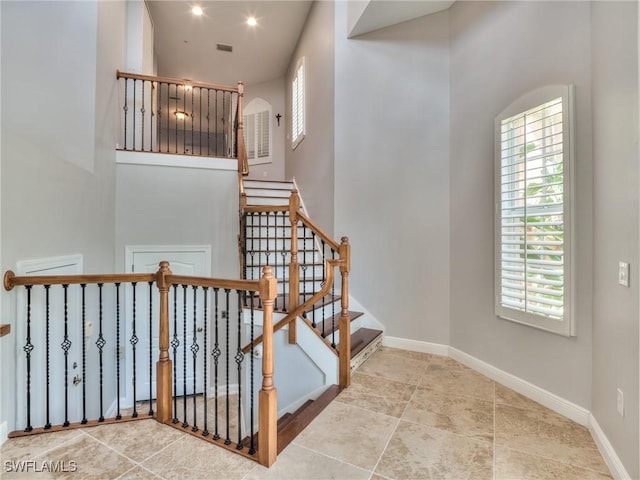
[[534, 168], [297, 104], [257, 131]]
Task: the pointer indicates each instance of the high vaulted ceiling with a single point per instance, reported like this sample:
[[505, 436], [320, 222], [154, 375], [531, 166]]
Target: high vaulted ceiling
[[186, 44]]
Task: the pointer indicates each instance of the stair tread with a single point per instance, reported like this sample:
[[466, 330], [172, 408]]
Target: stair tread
[[335, 320], [361, 338], [304, 416]]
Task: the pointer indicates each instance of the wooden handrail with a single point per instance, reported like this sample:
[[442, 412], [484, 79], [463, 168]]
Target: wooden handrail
[[319, 232], [291, 316], [176, 81], [11, 280], [249, 285], [266, 208]]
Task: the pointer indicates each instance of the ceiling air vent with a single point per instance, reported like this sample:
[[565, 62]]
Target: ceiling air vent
[[224, 48]]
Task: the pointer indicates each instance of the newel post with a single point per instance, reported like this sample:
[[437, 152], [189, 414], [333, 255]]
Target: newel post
[[344, 349], [294, 266], [163, 366], [267, 398], [243, 166]]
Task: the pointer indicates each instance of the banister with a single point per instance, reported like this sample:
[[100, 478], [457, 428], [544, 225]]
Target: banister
[[249, 285], [318, 231], [291, 316], [11, 280], [176, 81], [266, 208]]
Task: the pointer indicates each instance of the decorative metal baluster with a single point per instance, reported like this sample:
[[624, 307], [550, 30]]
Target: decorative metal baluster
[[175, 343], [216, 357], [47, 425], [205, 431], [260, 248], [176, 109], [304, 266], [215, 126], [28, 348], [324, 279], [185, 424], [118, 349], [150, 348], [284, 260], [168, 115], [333, 305], [84, 355], [194, 351], [227, 439], [134, 113], [142, 111], [184, 123], [134, 341], [208, 120], [252, 445], [100, 342], [125, 108], [239, 358], [192, 121], [66, 345], [313, 274], [153, 114], [200, 126], [224, 124]]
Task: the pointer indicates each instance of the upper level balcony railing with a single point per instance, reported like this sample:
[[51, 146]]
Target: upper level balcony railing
[[166, 115]]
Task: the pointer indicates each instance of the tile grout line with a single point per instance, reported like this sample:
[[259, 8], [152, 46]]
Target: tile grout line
[[332, 458]]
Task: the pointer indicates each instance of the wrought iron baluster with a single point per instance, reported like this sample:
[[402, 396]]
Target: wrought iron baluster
[[216, 357], [252, 446], [134, 113], [66, 345], [313, 275], [333, 305], [227, 439], [100, 342], [150, 348], [175, 343], [215, 126], [194, 351], [142, 111], [304, 266], [176, 100], [84, 355], [184, 122], [28, 348], [200, 125], [47, 425], [185, 424], [324, 279], [125, 108], [284, 260], [208, 117], [192, 121], [134, 341], [239, 358], [205, 431], [153, 114], [118, 348]]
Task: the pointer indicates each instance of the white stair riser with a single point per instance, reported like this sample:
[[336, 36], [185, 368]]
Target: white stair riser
[[273, 184], [264, 192], [261, 201]]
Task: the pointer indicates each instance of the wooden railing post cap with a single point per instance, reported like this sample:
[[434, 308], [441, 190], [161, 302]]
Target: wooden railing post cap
[[240, 87], [8, 280], [345, 240], [268, 284]]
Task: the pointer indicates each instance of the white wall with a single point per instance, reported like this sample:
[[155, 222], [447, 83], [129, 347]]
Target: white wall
[[487, 74], [273, 92], [179, 206], [615, 153], [392, 170], [311, 163], [58, 133]]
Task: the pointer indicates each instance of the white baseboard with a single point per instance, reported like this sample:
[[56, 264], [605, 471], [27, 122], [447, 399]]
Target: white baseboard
[[4, 434], [416, 346], [606, 449], [550, 400]]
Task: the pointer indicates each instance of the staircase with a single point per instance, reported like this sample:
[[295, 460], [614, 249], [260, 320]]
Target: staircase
[[266, 239]]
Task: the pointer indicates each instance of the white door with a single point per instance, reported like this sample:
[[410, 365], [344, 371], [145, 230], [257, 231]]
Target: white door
[[183, 260], [53, 370]]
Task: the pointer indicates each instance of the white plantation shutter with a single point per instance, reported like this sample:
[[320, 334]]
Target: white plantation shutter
[[263, 134], [250, 135], [297, 105], [533, 217]]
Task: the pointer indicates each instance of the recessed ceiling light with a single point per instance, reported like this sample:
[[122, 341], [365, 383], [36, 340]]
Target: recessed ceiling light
[[252, 22], [196, 10]]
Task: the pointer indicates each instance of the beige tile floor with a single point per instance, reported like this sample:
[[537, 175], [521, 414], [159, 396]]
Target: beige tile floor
[[407, 415]]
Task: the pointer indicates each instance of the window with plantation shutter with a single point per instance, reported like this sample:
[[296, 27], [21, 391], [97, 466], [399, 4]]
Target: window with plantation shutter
[[533, 210], [257, 131], [297, 104]]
